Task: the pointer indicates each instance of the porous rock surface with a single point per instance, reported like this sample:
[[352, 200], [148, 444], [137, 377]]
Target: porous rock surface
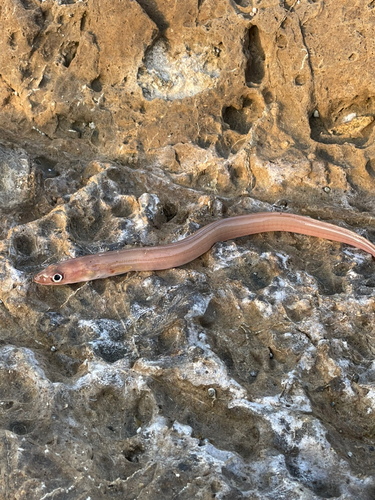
[[248, 373]]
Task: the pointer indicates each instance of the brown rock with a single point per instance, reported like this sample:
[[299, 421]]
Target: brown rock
[[247, 373]]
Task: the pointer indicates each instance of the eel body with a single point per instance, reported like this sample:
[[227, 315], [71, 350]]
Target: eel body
[[106, 264]]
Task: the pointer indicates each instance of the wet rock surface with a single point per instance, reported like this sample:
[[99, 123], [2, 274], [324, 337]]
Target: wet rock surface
[[248, 373]]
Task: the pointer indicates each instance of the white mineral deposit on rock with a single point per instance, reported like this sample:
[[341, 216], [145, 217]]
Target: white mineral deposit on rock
[[247, 373]]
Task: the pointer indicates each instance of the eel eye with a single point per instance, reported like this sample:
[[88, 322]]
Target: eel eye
[[56, 278]]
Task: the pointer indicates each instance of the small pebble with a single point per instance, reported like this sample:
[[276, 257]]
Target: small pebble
[[211, 393]]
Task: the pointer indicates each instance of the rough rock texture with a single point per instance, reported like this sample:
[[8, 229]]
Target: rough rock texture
[[248, 373]]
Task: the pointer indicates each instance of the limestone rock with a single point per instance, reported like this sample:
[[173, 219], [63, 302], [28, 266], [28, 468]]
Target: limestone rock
[[248, 373]]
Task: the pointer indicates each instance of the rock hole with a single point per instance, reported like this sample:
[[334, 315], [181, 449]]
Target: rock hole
[[96, 85], [26, 4], [210, 316], [132, 455], [12, 41], [78, 127], [83, 22], [242, 3], [43, 82], [26, 72], [370, 168], [281, 41], [95, 137], [300, 80], [203, 143], [19, 428], [268, 97], [69, 53], [239, 119], [256, 57], [170, 211], [24, 244], [46, 166], [109, 352], [227, 359], [317, 128], [222, 148]]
